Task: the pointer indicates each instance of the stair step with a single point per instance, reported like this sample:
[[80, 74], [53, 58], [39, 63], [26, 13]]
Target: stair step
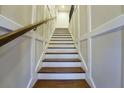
[[56, 42], [59, 76], [61, 37], [67, 39], [61, 70], [66, 32], [61, 50], [62, 60], [60, 40], [61, 84], [61, 64], [61, 43], [61, 56], [61, 47]]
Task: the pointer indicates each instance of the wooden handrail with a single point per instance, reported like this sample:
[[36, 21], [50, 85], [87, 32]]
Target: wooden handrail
[[4, 39]]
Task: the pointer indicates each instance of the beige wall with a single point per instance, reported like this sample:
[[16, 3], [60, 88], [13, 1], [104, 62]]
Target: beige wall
[[102, 13], [0, 9], [18, 13], [39, 17], [83, 19]]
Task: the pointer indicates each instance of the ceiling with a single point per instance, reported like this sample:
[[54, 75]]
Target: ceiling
[[63, 8]]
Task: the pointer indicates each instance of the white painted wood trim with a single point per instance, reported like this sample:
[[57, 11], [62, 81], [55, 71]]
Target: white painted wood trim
[[32, 82], [89, 72], [39, 63], [83, 63], [78, 11], [12, 25], [112, 25], [64, 76], [33, 73], [8, 23], [90, 82]]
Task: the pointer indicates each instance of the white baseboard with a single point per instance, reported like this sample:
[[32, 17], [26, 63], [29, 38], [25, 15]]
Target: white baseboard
[[90, 82], [8, 23], [31, 82]]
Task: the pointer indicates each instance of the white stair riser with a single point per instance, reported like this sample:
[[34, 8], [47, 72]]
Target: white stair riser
[[64, 51], [61, 39], [61, 42], [61, 45], [61, 56], [61, 49], [61, 34], [61, 64], [61, 76]]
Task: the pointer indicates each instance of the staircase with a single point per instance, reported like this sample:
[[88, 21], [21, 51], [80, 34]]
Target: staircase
[[61, 66]]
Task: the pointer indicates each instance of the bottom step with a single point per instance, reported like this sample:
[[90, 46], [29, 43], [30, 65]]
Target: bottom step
[[59, 76], [61, 84]]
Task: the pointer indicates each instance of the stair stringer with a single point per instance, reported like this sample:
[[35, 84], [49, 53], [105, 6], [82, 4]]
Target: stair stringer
[[83, 63], [39, 64], [84, 66]]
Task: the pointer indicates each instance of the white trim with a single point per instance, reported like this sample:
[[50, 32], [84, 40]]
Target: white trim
[[64, 76], [90, 82], [39, 63], [12, 25], [38, 37], [112, 25], [8, 23], [89, 72], [78, 10], [83, 63], [32, 82], [33, 76], [33, 19]]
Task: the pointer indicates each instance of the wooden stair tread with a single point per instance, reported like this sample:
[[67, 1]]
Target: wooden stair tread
[[61, 84], [61, 70], [62, 60]]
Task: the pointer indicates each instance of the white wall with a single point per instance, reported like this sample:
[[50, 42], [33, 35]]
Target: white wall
[[62, 20], [15, 66], [106, 60]]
